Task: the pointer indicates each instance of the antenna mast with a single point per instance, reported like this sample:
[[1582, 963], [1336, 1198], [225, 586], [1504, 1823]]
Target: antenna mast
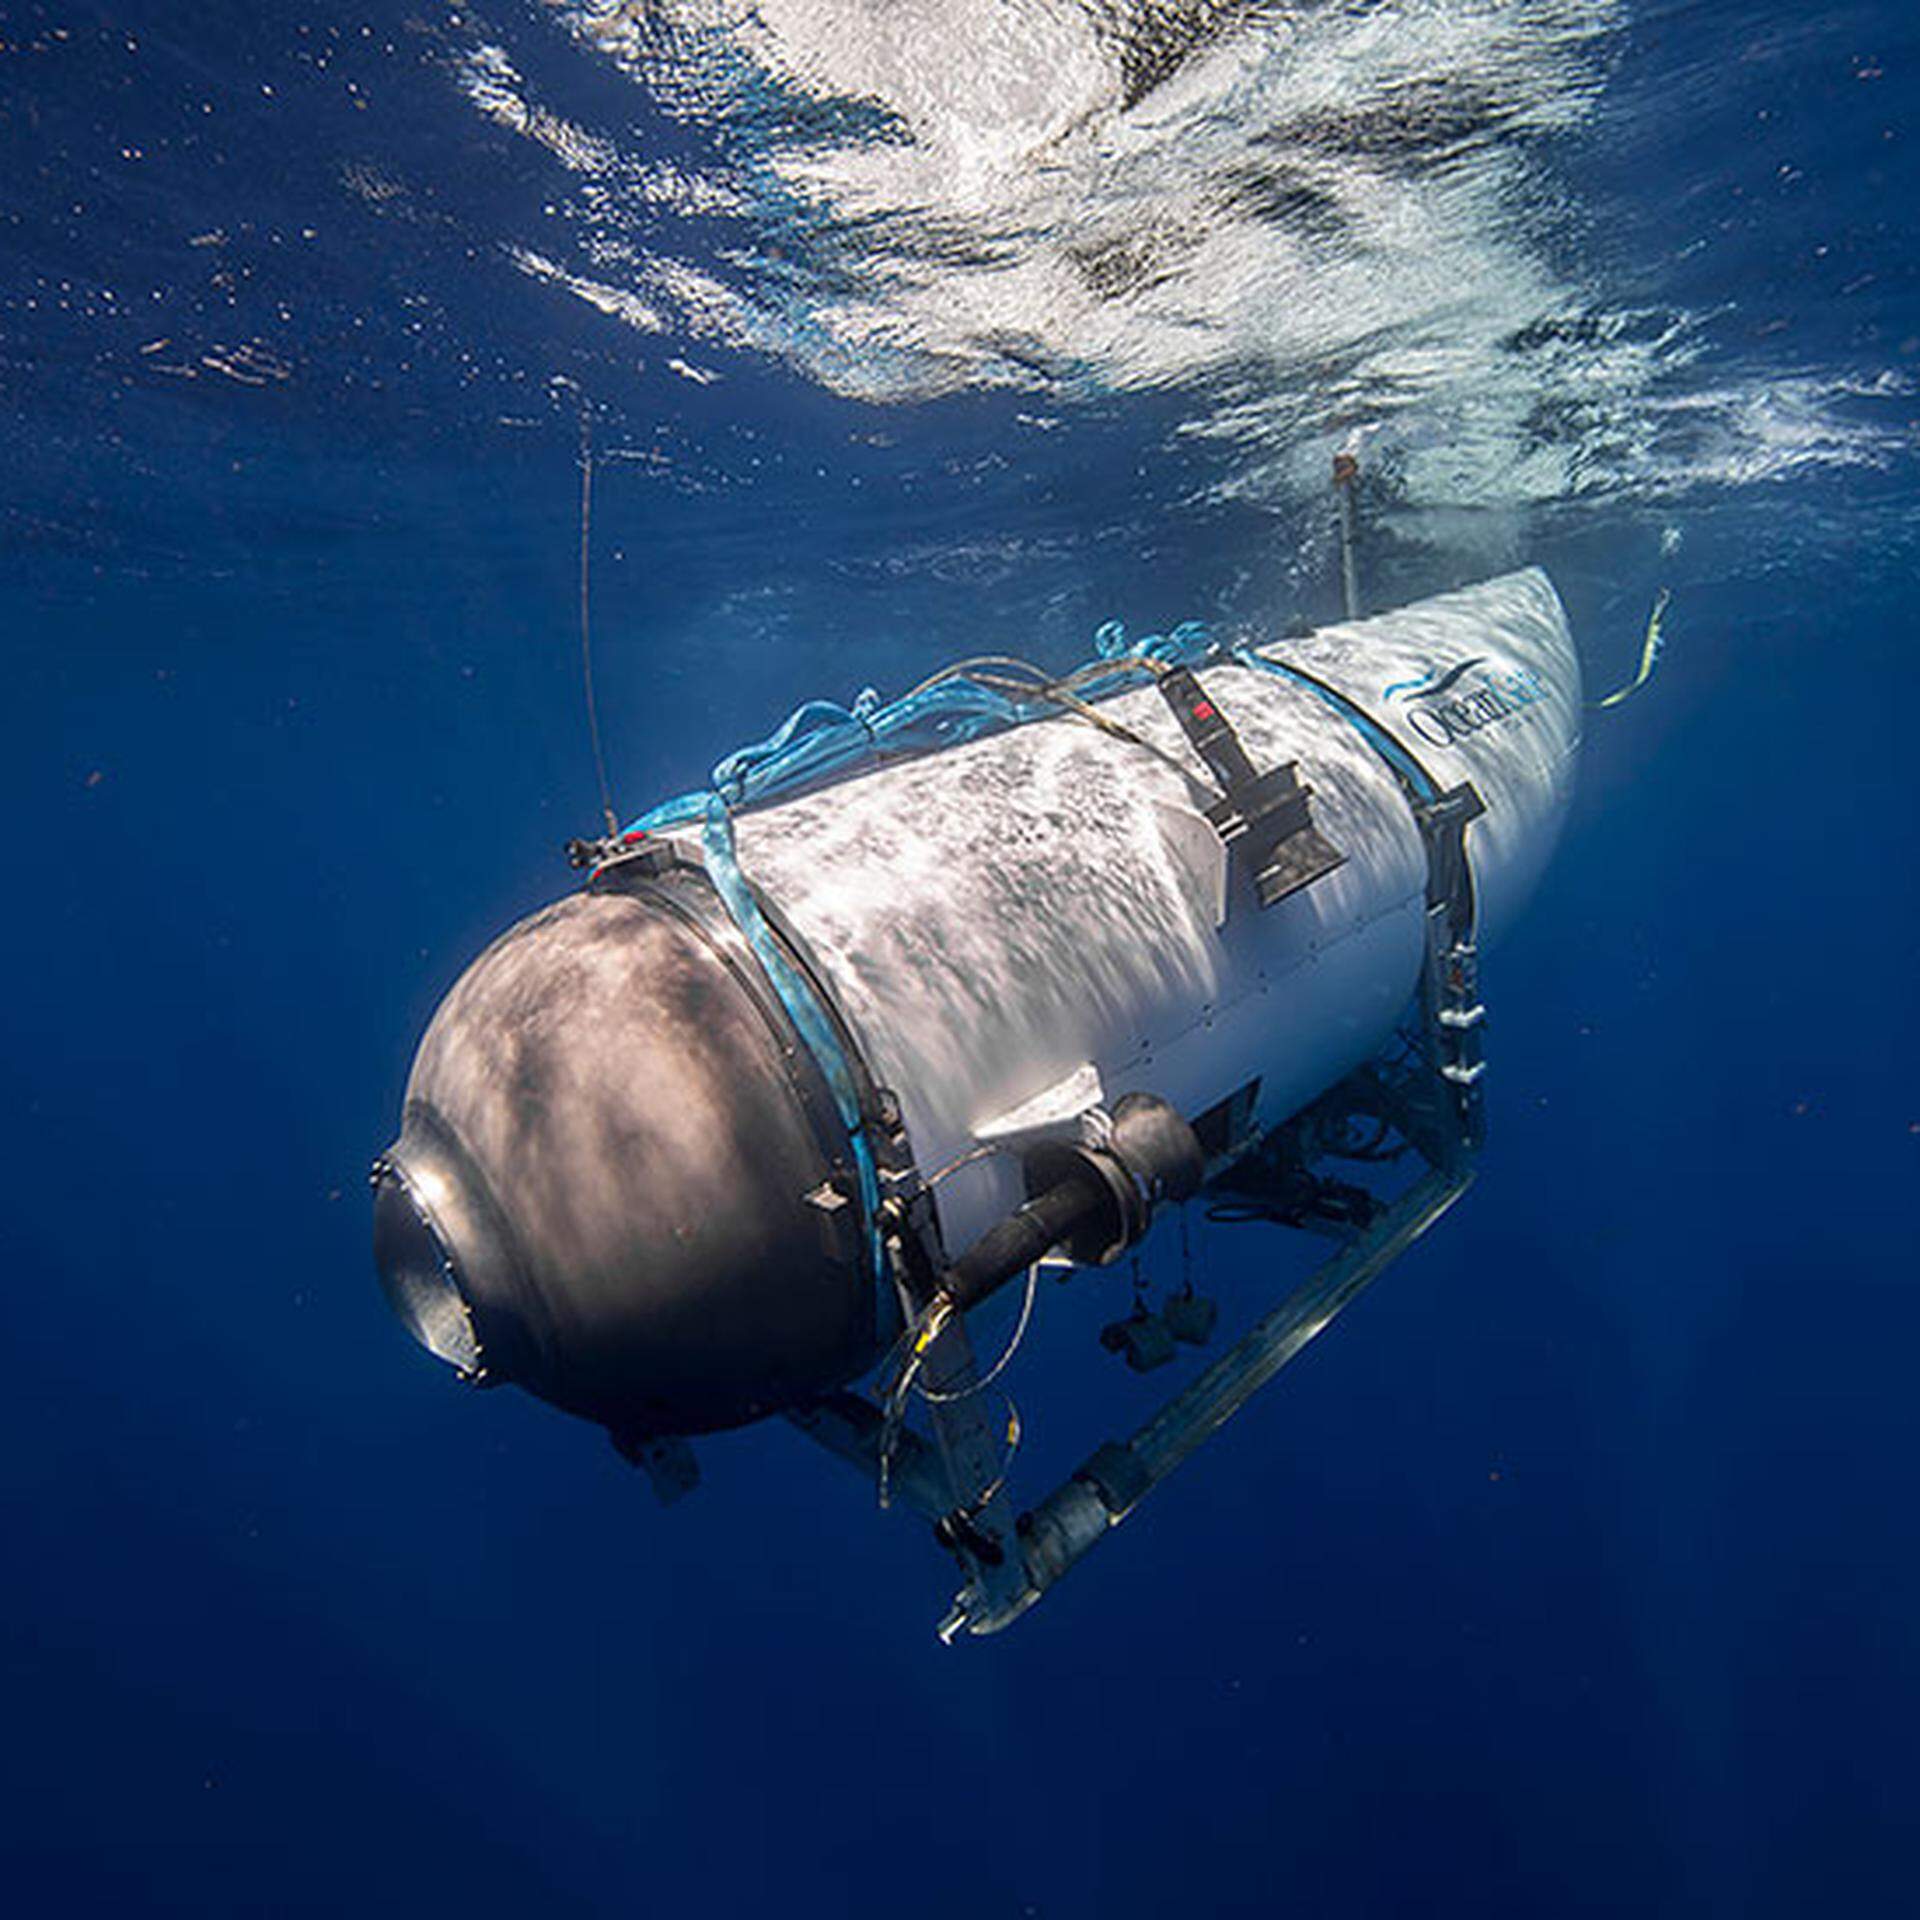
[[586, 621]]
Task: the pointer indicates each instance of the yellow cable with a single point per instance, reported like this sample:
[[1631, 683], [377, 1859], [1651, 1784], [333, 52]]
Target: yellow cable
[[1649, 654]]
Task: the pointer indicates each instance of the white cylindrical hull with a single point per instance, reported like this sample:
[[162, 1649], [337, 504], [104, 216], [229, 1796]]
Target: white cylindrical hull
[[1043, 918]]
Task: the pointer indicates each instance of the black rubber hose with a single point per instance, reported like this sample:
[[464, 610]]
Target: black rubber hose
[[1024, 1235]]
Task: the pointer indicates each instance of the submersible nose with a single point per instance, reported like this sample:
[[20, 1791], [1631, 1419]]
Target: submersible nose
[[601, 1189]]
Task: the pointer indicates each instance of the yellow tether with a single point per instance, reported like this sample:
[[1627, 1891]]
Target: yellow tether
[[1649, 654]]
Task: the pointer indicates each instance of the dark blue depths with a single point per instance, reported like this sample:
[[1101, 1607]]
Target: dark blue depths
[[1574, 1574]]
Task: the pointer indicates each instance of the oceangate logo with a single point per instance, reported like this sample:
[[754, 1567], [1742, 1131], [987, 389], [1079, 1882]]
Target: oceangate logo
[[1430, 685], [1443, 717]]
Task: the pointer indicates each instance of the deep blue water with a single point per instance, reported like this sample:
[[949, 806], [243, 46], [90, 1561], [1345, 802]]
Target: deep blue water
[[1575, 1573]]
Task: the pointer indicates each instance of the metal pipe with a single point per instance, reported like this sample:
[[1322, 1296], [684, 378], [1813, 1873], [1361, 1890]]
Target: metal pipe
[[1087, 1507], [1219, 1393], [1346, 471]]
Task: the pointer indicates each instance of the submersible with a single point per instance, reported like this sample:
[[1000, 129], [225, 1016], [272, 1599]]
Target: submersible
[[815, 1062]]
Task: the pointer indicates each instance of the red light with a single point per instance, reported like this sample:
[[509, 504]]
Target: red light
[[1203, 710]]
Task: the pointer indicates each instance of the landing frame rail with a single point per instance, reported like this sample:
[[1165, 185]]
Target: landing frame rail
[[1010, 1563], [1434, 1108], [1088, 1505]]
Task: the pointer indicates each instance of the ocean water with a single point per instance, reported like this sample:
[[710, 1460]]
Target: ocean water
[[1575, 1572]]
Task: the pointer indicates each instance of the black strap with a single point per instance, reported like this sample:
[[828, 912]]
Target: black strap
[[1263, 815], [1443, 823], [1208, 731]]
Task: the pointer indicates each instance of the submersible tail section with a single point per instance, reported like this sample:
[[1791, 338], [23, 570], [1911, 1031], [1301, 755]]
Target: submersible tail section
[[795, 1083]]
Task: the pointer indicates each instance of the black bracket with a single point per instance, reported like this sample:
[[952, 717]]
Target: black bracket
[[1263, 816], [667, 1462], [1443, 823], [1450, 979], [634, 851]]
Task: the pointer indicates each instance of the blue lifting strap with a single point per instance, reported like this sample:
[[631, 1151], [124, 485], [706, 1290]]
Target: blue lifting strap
[[811, 1021], [822, 741]]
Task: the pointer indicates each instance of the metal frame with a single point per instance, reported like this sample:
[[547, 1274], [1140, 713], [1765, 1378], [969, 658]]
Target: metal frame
[[954, 1476], [957, 1477]]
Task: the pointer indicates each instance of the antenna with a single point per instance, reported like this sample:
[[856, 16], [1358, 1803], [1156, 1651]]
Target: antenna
[[1346, 471], [586, 615]]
